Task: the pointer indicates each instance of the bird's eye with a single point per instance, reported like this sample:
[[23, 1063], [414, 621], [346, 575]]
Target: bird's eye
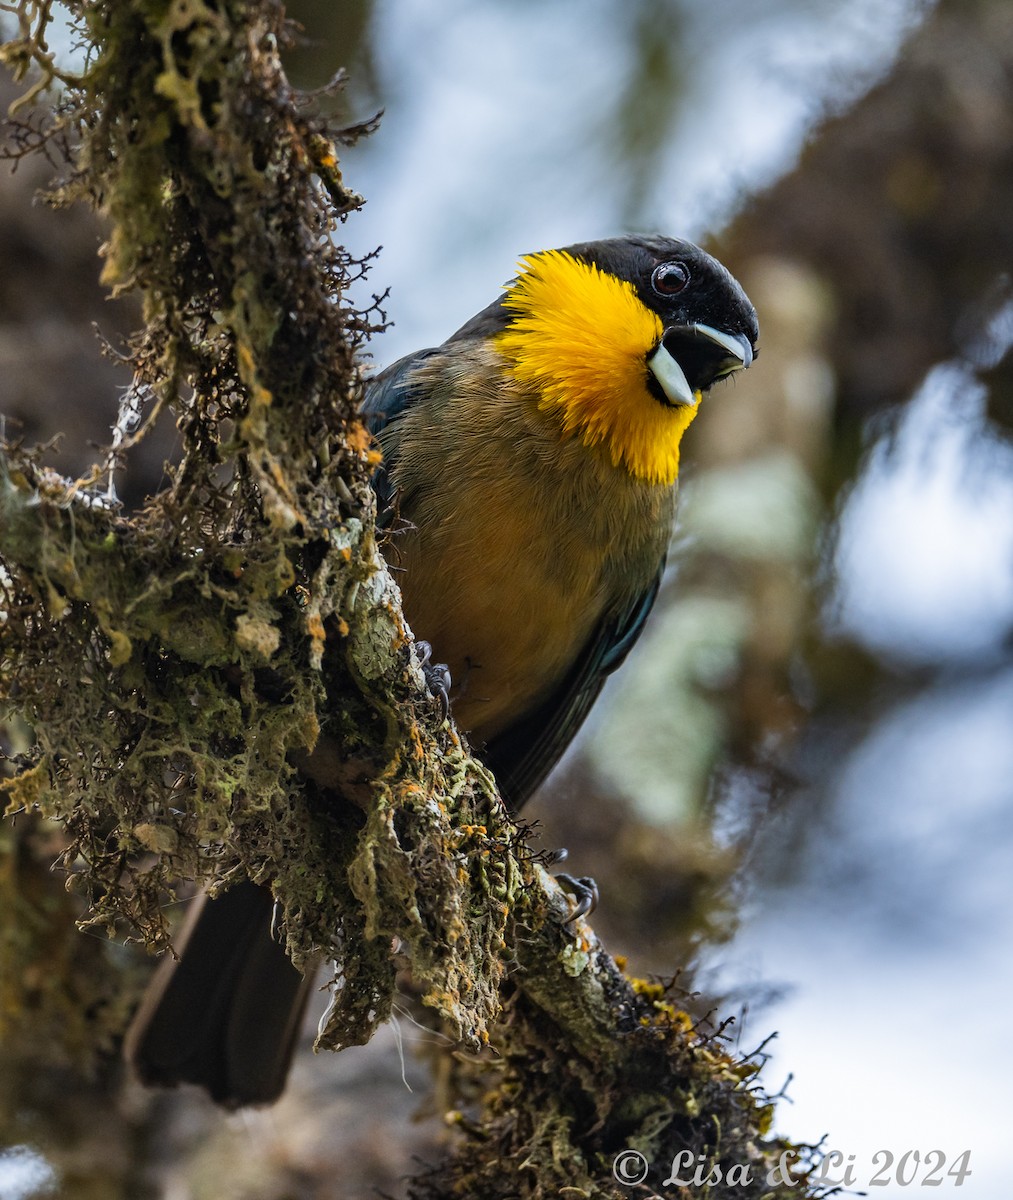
[[669, 279]]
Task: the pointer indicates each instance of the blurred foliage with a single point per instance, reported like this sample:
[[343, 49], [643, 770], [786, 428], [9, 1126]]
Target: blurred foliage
[[900, 206]]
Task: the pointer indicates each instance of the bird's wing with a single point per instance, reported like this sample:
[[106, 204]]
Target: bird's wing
[[523, 754], [389, 396]]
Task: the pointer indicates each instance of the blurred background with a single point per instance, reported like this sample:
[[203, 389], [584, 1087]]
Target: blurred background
[[797, 793]]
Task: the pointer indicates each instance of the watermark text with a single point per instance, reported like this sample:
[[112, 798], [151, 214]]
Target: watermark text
[[833, 1168]]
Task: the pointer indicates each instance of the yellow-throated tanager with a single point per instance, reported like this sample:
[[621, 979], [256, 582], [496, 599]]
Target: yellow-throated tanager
[[532, 461]]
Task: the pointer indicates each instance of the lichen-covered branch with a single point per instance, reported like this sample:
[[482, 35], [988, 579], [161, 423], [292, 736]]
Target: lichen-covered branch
[[177, 664], [222, 684]]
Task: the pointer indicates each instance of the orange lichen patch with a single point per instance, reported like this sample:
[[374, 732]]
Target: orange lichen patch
[[359, 438]]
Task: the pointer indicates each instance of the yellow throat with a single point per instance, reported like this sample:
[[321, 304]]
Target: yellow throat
[[581, 337]]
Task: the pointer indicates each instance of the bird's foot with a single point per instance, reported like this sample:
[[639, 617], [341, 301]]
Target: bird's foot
[[584, 890], [436, 675]]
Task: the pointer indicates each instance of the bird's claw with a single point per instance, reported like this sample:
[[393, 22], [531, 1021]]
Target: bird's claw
[[436, 675], [585, 893]]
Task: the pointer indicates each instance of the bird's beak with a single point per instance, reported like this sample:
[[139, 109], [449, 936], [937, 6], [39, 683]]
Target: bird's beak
[[689, 358]]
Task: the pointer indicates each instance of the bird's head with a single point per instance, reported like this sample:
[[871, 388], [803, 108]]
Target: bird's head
[[620, 338]]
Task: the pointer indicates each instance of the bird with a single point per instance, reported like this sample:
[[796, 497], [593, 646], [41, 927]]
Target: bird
[[528, 485]]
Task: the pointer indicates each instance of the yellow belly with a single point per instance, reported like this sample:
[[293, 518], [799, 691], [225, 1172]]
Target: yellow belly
[[491, 594]]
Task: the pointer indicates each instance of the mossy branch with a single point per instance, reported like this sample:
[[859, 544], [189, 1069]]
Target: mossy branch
[[223, 684]]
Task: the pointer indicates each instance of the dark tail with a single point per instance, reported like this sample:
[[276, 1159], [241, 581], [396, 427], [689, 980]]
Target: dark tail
[[226, 1016]]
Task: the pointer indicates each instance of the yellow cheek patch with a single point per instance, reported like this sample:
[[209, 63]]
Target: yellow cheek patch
[[581, 337]]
